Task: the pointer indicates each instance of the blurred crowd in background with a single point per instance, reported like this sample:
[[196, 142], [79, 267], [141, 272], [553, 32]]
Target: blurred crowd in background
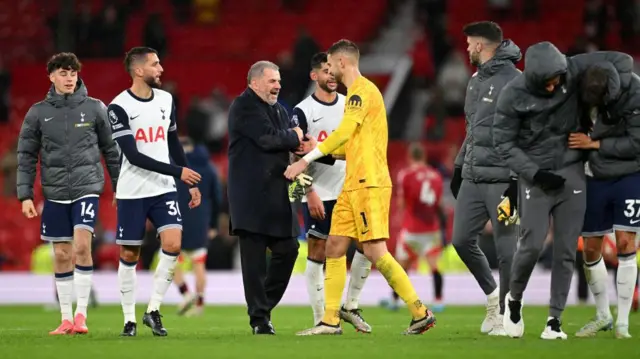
[[100, 30]]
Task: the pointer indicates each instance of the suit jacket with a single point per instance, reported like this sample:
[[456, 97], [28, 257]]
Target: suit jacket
[[260, 141]]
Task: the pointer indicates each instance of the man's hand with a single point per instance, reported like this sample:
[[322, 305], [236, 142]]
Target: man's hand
[[316, 206], [583, 142], [213, 233], [28, 209], [190, 176], [307, 145], [295, 169], [196, 197], [299, 132]]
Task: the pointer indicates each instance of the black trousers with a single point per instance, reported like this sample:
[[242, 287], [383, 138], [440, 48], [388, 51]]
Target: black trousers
[[264, 287]]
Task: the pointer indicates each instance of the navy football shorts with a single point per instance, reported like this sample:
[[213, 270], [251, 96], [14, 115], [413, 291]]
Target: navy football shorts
[[59, 220], [612, 204], [315, 228], [162, 210]]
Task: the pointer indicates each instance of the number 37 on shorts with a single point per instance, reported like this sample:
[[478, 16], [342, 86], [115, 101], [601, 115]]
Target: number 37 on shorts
[[362, 214]]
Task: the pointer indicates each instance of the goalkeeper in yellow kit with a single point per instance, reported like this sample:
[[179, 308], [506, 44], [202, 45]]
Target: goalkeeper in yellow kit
[[362, 209]]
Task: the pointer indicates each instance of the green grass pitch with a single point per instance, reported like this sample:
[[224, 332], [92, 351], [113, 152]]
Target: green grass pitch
[[223, 332]]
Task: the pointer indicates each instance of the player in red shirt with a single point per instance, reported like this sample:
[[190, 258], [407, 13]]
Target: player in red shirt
[[419, 195]]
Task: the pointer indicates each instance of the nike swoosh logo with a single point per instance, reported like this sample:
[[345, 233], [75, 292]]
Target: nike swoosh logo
[[317, 119], [133, 117], [48, 119], [634, 221], [365, 232], [87, 220], [577, 192]]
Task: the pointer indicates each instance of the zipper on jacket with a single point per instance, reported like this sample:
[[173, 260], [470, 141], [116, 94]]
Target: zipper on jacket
[[68, 147]]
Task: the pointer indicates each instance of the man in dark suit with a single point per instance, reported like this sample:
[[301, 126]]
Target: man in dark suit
[[261, 138]]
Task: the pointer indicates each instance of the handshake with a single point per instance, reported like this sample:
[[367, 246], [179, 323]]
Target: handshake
[[307, 142], [508, 207]]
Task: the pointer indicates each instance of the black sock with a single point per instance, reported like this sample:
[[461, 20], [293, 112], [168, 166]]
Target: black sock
[[200, 300], [183, 288], [437, 283]]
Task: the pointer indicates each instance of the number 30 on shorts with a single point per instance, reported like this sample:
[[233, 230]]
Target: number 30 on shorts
[[174, 209]]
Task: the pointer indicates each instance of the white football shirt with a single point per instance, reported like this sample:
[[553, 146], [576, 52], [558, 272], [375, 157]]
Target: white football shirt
[[149, 122], [319, 119]]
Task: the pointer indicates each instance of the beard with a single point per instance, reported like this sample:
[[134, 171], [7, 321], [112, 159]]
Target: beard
[[152, 82], [474, 59], [325, 87], [337, 76]]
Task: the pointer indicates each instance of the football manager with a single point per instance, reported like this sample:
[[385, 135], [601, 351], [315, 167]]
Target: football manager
[[261, 139]]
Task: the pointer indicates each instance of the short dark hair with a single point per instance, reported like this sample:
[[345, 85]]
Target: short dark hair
[[594, 86], [486, 29], [63, 60], [136, 54], [344, 46], [318, 59], [416, 151]]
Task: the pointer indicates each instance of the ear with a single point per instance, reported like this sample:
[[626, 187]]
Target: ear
[[138, 71], [313, 75], [51, 77]]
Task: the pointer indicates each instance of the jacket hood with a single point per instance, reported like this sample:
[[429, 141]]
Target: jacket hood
[[542, 62], [507, 52], [199, 156], [72, 100], [614, 83]]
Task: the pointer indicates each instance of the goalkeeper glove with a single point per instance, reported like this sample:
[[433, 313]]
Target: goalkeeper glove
[[298, 187], [508, 207]]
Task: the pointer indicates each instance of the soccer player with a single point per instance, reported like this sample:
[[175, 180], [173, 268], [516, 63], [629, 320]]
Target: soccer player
[[480, 175], [143, 121], [198, 227], [362, 209], [319, 115], [68, 131], [424, 219], [612, 106], [536, 112]]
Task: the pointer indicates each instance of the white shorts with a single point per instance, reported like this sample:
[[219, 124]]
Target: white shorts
[[416, 245]]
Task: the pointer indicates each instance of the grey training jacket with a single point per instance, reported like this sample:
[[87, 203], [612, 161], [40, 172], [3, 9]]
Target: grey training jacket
[[478, 158], [68, 133]]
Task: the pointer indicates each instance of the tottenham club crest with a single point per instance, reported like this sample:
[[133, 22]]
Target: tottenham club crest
[[162, 110]]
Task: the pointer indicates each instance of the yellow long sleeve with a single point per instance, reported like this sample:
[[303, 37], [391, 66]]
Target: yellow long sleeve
[[338, 137]]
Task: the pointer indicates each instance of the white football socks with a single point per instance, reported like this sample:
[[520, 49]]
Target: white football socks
[[314, 275], [597, 278], [127, 281], [360, 269], [82, 279], [162, 279], [64, 287], [626, 284]]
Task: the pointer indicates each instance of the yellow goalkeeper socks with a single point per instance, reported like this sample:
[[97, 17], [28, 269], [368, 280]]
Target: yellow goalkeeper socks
[[399, 281], [334, 282]]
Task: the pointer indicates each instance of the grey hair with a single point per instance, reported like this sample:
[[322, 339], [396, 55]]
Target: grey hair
[[257, 69]]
